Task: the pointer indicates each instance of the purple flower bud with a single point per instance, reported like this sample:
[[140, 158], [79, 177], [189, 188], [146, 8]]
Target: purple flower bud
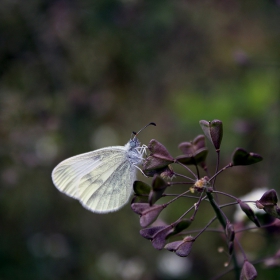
[[213, 131], [189, 148], [139, 208], [180, 226], [249, 212], [150, 214], [230, 233], [268, 203], [269, 198], [141, 188], [159, 186], [157, 235], [159, 157], [248, 271], [181, 248], [242, 157]]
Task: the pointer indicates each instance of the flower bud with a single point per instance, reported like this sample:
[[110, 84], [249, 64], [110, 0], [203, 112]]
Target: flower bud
[[242, 157], [213, 131], [248, 271]]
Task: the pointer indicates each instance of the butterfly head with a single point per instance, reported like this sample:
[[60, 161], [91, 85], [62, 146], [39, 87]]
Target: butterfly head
[[134, 143]]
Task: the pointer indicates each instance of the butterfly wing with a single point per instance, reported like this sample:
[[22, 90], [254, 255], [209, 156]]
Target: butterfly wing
[[102, 180], [108, 187]]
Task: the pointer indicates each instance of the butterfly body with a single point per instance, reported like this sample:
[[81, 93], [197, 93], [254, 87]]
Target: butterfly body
[[101, 180]]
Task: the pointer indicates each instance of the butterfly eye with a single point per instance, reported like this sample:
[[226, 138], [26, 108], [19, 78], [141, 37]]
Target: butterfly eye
[[133, 143]]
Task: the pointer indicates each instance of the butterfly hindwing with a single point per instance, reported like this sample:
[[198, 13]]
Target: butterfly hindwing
[[111, 190]]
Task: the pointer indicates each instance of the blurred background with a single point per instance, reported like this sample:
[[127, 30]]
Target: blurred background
[[80, 75]]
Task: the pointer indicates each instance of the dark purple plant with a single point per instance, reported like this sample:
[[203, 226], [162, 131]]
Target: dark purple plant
[[176, 236]]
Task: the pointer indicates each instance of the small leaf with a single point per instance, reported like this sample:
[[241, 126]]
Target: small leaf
[[159, 157], [158, 240], [138, 208], [159, 186], [242, 157], [141, 188], [269, 198], [158, 150], [184, 250], [153, 197], [213, 131], [157, 235], [230, 233], [194, 152], [149, 215], [173, 246], [268, 203], [186, 159], [249, 212], [230, 247], [152, 163], [149, 233], [248, 271], [274, 211], [164, 172], [139, 199], [189, 148], [198, 157], [199, 142], [181, 248], [180, 226]]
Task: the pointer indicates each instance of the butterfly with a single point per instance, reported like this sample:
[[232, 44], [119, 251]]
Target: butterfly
[[101, 180]]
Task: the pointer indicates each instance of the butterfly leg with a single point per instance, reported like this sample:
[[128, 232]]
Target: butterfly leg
[[140, 170], [142, 149]]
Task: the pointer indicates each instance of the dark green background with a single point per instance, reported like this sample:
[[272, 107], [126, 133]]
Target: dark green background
[[80, 75]]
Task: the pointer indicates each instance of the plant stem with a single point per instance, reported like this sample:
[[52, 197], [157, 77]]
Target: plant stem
[[175, 198], [182, 216], [197, 206], [218, 211], [179, 183], [241, 249], [220, 171], [208, 224], [197, 171], [183, 176], [226, 194], [178, 162], [228, 204], [217, 167], [171, 194]]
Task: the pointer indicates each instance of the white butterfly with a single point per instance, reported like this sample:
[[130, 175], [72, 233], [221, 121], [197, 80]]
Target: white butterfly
[[101, 180]]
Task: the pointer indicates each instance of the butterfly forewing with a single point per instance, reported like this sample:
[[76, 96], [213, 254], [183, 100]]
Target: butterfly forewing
[[67, 175], [101, 180]]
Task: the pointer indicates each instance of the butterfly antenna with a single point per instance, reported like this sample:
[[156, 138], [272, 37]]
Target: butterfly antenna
[[136, 133]]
